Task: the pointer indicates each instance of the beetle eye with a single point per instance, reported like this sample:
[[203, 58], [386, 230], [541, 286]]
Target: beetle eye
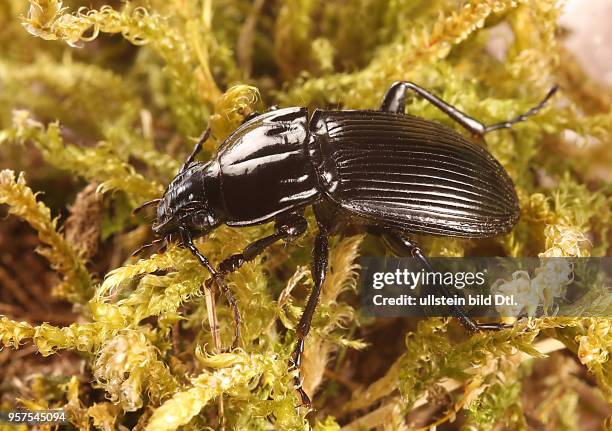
[[202, 220]]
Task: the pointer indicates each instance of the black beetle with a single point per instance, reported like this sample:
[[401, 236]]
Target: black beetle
[[393, 173]]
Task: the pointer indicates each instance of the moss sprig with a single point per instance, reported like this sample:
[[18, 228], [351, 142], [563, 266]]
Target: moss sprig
[[184, 48], [184, 405], [128, 366], [13, 333], [100, 164], [394, 61], [76, 284]]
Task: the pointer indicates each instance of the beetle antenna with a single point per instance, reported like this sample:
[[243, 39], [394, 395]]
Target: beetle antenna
[[144, 205], [145, 246], [203, 138]]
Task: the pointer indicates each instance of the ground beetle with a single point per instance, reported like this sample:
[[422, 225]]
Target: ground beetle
[[392, 173]]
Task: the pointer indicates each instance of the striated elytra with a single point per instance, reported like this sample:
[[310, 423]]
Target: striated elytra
[[391, 173]]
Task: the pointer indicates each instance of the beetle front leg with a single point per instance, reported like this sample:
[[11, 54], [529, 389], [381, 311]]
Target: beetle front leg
[[188, 242], [320, 254], [287, 228], [403, 246], [395, 101]]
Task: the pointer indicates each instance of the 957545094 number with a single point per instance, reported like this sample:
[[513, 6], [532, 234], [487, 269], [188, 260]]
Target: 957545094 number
[[33, 416]]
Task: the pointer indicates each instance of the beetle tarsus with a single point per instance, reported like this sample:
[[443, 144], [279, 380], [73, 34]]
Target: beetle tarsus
[[509, 123], [233, 303], [304, 398], [294, 364], [402, 245], [493, 326]]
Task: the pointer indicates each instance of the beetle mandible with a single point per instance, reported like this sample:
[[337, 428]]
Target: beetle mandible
[[392, 173]]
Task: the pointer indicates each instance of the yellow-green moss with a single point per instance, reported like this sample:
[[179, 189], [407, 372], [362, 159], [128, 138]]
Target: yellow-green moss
[[125, 117]]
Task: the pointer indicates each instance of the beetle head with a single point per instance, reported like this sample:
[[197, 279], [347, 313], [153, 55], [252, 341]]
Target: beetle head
[[189, 202]]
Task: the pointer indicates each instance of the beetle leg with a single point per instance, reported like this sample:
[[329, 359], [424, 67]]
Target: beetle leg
[[319, 269], [288, 227], [188, 242], [404, 246], [395, 101], [198, 147]]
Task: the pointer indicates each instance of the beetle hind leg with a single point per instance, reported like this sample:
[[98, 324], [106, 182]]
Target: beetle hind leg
[[405, 247], [395, 101]]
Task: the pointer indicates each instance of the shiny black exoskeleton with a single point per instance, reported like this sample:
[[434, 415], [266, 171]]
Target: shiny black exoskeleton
[[394, 174]]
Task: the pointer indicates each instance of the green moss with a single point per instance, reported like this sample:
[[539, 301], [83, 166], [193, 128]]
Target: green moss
[[117, 95]]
